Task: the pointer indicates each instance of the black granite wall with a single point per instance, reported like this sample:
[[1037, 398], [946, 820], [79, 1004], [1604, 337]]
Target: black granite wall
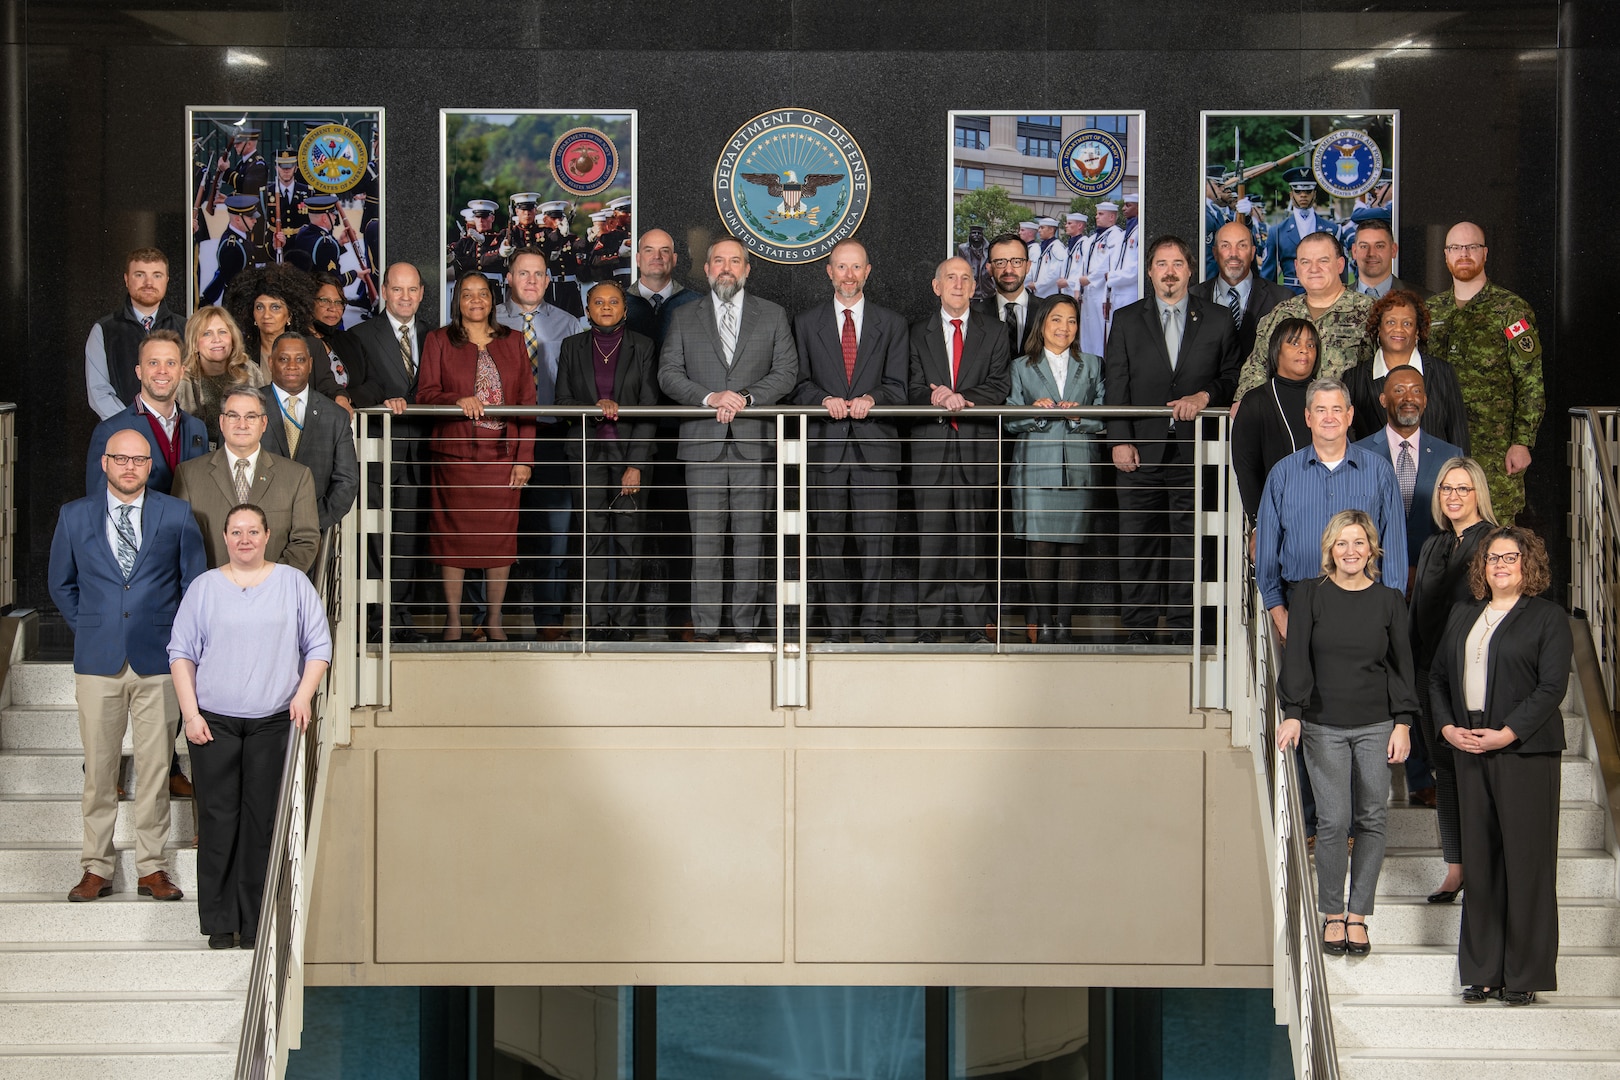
[[1493, 111]]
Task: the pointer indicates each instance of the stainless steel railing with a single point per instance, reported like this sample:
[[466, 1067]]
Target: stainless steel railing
[[8, 503]]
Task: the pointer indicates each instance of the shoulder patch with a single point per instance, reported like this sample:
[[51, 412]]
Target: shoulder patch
[[1520, 327]]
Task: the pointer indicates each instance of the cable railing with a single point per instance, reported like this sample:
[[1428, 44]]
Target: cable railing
[[273, 1016]]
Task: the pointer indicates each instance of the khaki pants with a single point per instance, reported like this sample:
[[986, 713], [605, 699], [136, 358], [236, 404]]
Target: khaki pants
[[106, 704]]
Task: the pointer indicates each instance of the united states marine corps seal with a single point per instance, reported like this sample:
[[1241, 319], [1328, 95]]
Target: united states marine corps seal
[[792, 184], [584, 161], [1092, 161], [332, 158], [1347, 164]]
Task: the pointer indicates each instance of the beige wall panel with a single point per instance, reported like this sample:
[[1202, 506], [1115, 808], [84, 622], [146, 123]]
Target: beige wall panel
[[998, 692], [1082, 857], [1239, 912], [512, 856], [591, 690], [339, 928]]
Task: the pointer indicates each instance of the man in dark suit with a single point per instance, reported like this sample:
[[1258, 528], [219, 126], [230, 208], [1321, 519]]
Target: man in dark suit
[[728, 354], [1166, 349], [655, 285], [120, 561], [1011, 304], [1246, 296], [1374, 251], [959, 358], [310, 428], [853, 355], [177, 435], [243, 471], [392, 349]]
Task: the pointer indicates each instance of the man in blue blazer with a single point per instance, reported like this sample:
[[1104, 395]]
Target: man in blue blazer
[[175, 434], [120, 561]]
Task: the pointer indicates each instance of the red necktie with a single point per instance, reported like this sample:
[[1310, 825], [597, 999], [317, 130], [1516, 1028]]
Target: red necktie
[[849, 347], [956, 358]]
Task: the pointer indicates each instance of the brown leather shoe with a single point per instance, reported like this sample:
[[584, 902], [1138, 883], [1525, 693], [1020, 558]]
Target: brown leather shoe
[[89, 887], [1422, 797], [551, 633], [158, 886], [180, 787]]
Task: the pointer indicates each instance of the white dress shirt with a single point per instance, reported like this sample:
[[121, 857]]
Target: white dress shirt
[[858, 309], [1381, 369], [168, 423]]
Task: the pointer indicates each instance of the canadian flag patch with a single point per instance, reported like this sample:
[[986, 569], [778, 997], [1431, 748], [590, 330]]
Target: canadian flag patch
[[1520, 327]]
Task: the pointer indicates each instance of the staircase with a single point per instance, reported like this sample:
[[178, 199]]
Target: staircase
[[125, 986], [1398, 1013]]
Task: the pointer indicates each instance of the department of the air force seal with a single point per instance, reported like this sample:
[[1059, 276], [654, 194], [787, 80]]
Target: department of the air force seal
[[1092, 162], [792, 184], [1347, 163], [584, 161], [332, 158]]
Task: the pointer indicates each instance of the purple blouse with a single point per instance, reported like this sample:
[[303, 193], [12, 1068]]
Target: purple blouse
[[250, 645], [605, 350]]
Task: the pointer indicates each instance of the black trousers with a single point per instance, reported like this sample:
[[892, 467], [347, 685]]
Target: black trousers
[[956, 523], [853, 500], [613, 545], [1509, 807], [237, 778], [1155, 541]]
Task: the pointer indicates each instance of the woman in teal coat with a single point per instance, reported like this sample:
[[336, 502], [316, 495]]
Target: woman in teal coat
[[1054, 463]]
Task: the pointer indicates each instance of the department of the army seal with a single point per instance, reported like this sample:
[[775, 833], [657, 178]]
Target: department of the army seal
[[792, 184], [332, 158], [584, 161], [1092, 162], [1347, 163]]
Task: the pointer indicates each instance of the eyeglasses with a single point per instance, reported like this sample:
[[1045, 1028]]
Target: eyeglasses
[[238, 417], [1461, 489], [1506, 558], [322, 301], [124, 461], [1458, 249], [999, 263]]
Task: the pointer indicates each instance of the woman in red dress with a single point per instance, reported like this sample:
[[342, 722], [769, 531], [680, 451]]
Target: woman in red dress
[[480, 463]]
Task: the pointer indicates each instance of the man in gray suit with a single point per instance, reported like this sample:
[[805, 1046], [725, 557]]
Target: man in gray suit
[[729, 354], [310, 428]]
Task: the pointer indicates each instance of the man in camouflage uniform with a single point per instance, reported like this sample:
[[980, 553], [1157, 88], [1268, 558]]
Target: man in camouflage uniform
[[1340, 315], [1489, 335]]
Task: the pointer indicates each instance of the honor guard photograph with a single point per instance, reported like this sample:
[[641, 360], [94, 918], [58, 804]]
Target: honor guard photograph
[[294, 186], [1287, 175], [559, 181]]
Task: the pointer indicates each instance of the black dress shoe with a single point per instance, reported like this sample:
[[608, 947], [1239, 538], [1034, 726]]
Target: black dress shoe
[[1046, 636], [1474, 995], [599, 633], [1336, 947], [1518, 997], [1061, 635], [619, 633], [247, 943], [875, 639], [1444, 896], [703, 638], [1181, 637], [1139, 637], [837, 639], [978, 637], [928, 637], [1357, 948], [404, 635], [222, 941], [748, 637]]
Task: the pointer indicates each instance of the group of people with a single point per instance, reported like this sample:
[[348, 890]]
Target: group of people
[[574, 258]]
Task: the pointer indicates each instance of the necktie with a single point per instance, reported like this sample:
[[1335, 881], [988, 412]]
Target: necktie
[[1172, 334], [126, 542], [291, 424], [1011, 315], [405, 356], [849, 344], [728, 330], [532, 342], [1235, 302], [956, 357], [244, 484], [1406, 474], [657, 303], [147, 323]]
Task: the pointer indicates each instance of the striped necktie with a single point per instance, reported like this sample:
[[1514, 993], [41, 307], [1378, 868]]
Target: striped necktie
[[728, 331], [1235, 303], [405, 355], [127, 547]]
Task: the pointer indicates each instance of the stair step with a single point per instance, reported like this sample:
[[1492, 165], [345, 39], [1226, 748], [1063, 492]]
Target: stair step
[[81, 966], [41, 726], [151, 1017], [127, 1061], [1555, 1022], [1412, 920], [35, 683], [60, 819], [56, 771], [122, 916], [1580, 825], [1416, 871], [1583, 971], [1425, 1064], [47, 867]]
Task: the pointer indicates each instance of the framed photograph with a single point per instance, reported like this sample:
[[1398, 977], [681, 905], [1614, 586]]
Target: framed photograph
[[1069, 184], [559, 180], [300, 186], [1289, 174]]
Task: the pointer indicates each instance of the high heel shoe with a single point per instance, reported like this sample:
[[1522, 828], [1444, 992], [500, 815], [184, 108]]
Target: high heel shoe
[[1357, 948], [1476, 994], [1445, 896], [1336, 947]]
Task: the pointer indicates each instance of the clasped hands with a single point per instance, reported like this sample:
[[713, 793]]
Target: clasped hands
[[943, 397], [1477, 740], [727, 404], [848, 409]]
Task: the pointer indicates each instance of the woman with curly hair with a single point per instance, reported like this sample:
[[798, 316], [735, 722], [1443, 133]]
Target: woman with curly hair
[[267, 302], [1400, 324], [215, 362]]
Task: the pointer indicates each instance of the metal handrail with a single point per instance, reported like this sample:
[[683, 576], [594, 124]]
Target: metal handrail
[[278, 953], [8, 503], [1012, 412]]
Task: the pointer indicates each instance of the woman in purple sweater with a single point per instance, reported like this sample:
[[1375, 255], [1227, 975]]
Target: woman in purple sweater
[[248, 649]]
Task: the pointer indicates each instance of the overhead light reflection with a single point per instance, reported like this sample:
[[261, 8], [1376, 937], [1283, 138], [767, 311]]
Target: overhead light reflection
[[241, 58]]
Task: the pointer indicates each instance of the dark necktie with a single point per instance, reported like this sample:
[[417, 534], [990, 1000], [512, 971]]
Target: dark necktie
[[127, 547], [147, 323], [849, 344], [405, 356], [1235, 302], [1406, 474], [1011, 315], [657, 303]]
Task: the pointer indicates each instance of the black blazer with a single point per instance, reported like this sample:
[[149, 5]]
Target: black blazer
[[1137, 371], [881, 369], [385, 375], [985, 379], [1526, 674], [1263, 296], [325, 448], [1444, 416], [635, 382]]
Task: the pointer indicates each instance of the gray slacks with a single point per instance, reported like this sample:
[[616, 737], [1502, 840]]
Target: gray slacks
[[728, 496], [1349, 770]]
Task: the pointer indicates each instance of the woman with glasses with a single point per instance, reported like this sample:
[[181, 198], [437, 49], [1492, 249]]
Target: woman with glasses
[[1499, 678], [337, 359]]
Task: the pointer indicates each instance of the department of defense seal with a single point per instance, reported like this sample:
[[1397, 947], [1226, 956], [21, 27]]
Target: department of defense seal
[[1347, 163], [332, 158], [792, 184], [584, 161], [1092, 162]]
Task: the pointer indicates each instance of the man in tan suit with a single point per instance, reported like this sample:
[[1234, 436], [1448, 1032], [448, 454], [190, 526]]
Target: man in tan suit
[[241, 471]]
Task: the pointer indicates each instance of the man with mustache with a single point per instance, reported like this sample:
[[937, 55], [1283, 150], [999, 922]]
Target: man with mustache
[[1012, 302], [1489, 335], [1340, 314]]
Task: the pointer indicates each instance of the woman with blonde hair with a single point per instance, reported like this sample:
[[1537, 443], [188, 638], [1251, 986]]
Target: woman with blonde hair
[[1347, 697], [215, 361]]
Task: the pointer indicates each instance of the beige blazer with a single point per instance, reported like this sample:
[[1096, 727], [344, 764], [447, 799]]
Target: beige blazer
[[282, 488]]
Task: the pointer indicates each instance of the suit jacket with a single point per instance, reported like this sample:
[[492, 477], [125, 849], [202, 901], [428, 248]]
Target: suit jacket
[[1431, 454], [385, 376], [1411, 287], [1526, 673], [192, 433], [113, 620], [882, 366], [1137, 371], [282, 488], [635, 382], [450, 373], [1263, 296], [325, 448], [765, 370], [985, 379]]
